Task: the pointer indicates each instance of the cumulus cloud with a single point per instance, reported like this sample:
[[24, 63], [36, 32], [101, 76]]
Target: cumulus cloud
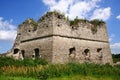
[[61, 5], [80, 8], [115, 47], [118, 17], [7, 30], [102, 13], [49, 2], [111, 37]]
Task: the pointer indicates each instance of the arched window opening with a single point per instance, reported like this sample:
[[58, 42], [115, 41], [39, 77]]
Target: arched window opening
[[86, 52], [23, 53], [16, 51], [29, 30], [36, 53], [99, 49], [100, 56], [72, 51]]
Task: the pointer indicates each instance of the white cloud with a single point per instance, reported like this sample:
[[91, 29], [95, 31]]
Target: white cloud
[[102, 13], [80, 8], [61, 5], [7, 30], [118, 17], [8, 35], [115, 48], [49, 2], [111, 37]]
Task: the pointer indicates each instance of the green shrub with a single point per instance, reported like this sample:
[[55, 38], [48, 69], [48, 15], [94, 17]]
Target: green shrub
[[40, 62], [76, 21], [31, 22], [116, 57], [41, 69], [28, 62], [85, 69], [96, 22], [6, 61]]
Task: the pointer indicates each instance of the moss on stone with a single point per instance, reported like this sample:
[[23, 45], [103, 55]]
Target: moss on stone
[[97, 22], [32, 22]]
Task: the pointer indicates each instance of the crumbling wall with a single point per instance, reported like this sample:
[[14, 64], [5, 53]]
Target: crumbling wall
[[44, 27], [84, 30], [54, 38], [85, 51], [44, 45]]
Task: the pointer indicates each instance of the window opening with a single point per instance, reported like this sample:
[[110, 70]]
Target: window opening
[[16, 51], [86, 51], [36, 53], [72, 51], [23, 53], [99, 49]]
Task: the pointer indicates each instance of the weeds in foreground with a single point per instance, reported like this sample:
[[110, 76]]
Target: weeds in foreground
[[29, 68]]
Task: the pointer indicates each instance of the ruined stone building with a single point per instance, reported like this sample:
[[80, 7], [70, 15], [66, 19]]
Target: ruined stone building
[[59, 40]]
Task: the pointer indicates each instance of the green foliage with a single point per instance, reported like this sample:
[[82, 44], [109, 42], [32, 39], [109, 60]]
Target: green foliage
[[8, 61], [32, 22], [97, 22], [76, 21], [116, 58], [40, 62], [85, 69], [81, 77], [33, 68], [55, 12], [14, 78]]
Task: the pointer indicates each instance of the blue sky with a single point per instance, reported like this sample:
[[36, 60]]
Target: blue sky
[[14, 12]]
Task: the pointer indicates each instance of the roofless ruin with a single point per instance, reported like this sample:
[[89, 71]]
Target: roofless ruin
[[59, 40]]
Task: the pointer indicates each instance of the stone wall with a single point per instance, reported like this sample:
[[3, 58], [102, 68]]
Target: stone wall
[[54, 38], [44, 45], [44, 28], [62, 46], [82, 30]]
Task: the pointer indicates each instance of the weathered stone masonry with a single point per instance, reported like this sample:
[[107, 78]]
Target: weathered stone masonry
[[53, 38]]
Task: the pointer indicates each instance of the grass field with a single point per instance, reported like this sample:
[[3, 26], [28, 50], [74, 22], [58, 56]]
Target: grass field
[[73, 77], [15, 78], [80, 77], [41, 70]]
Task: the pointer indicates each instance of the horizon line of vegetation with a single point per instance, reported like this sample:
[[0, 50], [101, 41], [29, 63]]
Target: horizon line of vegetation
[[41, 69]]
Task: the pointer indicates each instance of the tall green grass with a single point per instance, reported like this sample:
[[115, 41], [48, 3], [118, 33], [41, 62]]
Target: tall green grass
[[43, 70], [15, 78], [8, 61], [85, 69]]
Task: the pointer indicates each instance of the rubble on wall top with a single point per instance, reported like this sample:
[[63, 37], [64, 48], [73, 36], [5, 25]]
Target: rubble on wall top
[[52, 13], [74, 23], [57, 14]]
